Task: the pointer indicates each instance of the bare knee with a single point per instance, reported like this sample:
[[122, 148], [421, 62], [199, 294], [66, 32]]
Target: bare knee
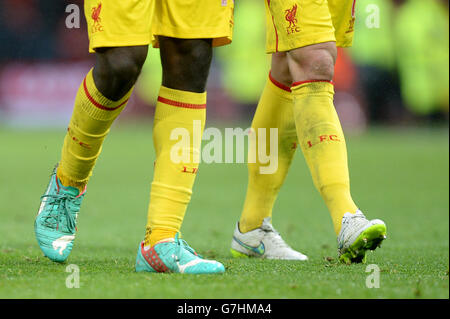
[[117, 69], [314, 62], [185, 63]]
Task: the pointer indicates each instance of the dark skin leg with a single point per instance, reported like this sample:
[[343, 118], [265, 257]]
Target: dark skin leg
[[185, 63], [117, 69]]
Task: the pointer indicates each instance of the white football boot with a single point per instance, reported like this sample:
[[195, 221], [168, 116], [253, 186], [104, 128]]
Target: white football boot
[[357, 235], [263, 242]]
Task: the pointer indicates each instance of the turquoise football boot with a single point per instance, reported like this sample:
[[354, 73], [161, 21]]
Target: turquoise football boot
[[174, 255], [55, 223]]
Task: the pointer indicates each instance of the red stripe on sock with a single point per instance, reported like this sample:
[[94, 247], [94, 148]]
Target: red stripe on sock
[[100, 106], [278, 84], [181, 104], [310, 81]]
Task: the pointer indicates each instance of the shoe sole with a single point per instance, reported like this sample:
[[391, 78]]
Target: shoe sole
[[238, 254], [369, 239]]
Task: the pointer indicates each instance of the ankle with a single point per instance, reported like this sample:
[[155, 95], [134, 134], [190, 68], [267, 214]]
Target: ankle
[[158, 235], [68, 182]]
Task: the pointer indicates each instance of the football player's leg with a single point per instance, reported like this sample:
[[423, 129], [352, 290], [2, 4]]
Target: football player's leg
[[323, 144], [177, 132], [103, 94], [308, 37], [318, 127], [181, 107], [186, 52], [121, 47], [274, 111]]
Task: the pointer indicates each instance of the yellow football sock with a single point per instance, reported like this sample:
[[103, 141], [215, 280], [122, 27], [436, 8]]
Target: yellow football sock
[[91, 119], [274, 111], [177, 112], [323, 145]]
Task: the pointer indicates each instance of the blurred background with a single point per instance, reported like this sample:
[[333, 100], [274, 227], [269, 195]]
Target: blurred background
[[396, 73]]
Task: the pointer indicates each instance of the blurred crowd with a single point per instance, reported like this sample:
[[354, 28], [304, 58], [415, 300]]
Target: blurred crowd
[[396, 72]]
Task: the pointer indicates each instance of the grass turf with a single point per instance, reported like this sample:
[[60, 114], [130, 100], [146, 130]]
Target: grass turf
[[400, 176]]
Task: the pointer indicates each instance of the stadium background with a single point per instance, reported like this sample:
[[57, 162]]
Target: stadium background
[[393, 100]]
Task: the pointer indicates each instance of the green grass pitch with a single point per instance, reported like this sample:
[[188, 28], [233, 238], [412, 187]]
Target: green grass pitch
[[400, 176]]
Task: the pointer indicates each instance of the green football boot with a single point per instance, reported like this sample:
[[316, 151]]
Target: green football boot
[[174, 255], [55, 224]]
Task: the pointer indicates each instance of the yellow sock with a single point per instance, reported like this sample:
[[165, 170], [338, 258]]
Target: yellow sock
[[172, 183], [91, 119], [274, 111], [323, 145]]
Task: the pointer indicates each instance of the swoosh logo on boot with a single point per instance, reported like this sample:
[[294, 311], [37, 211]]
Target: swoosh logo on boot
[[260, 250]]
